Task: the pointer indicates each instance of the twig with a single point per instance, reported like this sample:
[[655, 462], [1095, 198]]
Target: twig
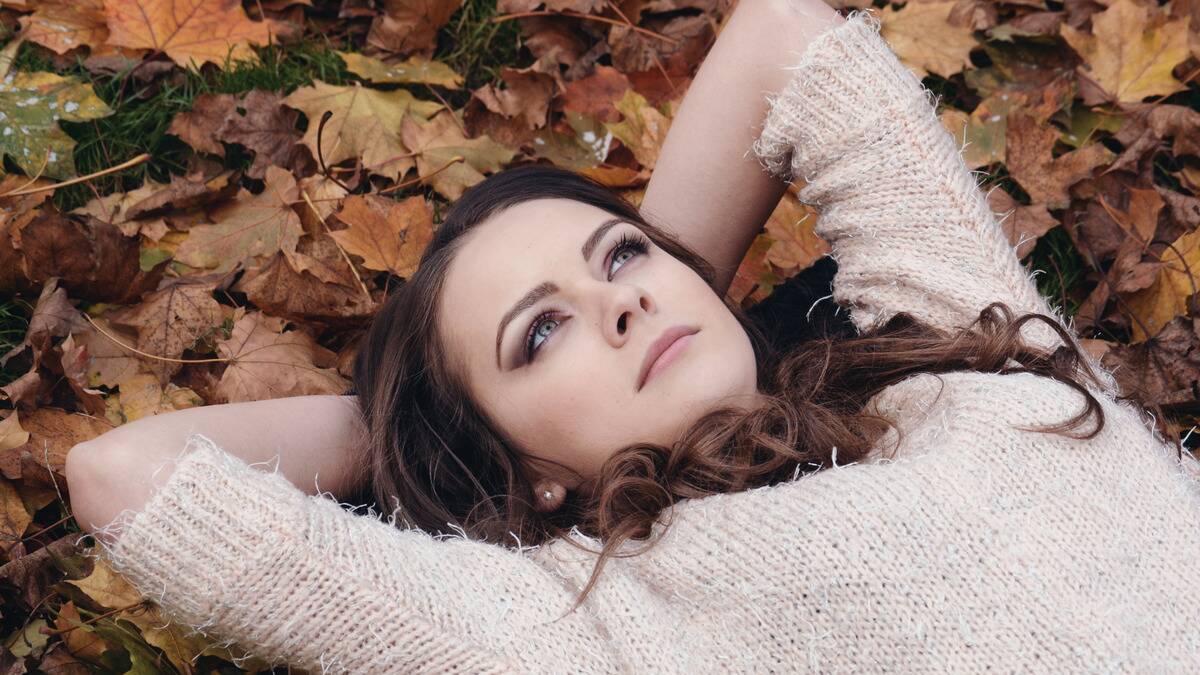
[[144, 157], [587, 17], [446, 105], [400, 186]]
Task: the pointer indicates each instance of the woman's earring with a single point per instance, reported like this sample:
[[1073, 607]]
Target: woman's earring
[[550, 496]]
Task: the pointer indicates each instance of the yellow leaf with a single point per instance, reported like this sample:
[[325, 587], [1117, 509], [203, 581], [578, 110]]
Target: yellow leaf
[[191, 32], [415, 70], [795, 246], [925, 40], [1130, 54], [438, 141], [1166, 298], [365, 123], [643, 129]]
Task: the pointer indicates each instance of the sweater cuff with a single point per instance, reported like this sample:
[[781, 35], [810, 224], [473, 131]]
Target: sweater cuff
[[197, 520], [846, 92]]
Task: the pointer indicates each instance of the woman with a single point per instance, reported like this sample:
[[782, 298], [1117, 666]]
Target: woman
[[956, 488]]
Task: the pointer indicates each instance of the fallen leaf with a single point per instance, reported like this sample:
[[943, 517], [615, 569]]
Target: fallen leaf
[[268, 130], [312, 286], [92, 258], [526, 95], [198, 126], [142, 395], [1130, 53], [1165, 369], [389, 236], [410, 26], [1023, 225], [1046, 178], [249, 227], [365, 123], [190, 32], [923, 38], [31, 105], [1167, 297], [438, 141], [596, 95], [63, 25], [415, 70], [269, 362], [794, 245], [643, 129], [169, 321]]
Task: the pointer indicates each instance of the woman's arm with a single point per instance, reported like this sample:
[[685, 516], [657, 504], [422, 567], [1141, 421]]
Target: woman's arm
[[707, 186], [315, 437]]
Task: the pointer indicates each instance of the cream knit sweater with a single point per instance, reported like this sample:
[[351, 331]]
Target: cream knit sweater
[[976, 545]]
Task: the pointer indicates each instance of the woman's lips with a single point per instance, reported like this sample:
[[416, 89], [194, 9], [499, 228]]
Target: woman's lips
[[665, 350]]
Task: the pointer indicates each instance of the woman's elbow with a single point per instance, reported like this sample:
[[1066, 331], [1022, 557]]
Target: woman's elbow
[[96, 497]]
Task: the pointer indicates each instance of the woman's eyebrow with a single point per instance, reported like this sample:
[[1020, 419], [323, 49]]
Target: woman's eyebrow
[[547, 288]]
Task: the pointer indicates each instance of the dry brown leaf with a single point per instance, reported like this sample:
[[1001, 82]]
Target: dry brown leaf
[[389, 236], [169, 321], [1165, 369], [440, 140], [268, 129], [321, 291], [794, 246], [63, 25], [249, 227], [596, 95], [269, 362], [643, 129], [1023, 225], [526, 95], [410, 26], [924, 39], [1046, 178], [365, 124], [191, 32]]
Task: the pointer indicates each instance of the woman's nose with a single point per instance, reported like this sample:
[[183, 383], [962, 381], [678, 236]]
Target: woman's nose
[[627, 306]]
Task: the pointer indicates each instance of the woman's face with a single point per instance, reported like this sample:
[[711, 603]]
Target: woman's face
[[550, 310]]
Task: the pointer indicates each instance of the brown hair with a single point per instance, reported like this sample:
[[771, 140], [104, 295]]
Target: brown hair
[[434, 456]]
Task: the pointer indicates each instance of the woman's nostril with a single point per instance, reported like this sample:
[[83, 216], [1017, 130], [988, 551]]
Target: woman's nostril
[[645, 304], [621, 323]]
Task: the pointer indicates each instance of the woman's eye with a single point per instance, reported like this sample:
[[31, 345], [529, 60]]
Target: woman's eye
[[541, 328], [625, 250]]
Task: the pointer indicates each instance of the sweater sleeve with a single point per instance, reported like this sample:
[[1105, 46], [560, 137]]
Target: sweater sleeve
[[908, 226], [244, 557]]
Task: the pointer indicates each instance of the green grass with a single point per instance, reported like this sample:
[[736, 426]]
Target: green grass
[[1063, 271], [477, 49]]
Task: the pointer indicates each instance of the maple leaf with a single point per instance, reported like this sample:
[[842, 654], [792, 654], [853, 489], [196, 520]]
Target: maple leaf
[[407, 26], [1167, 297], [1165, 369], [310, 286], [190, 32], [248, 227], [794, 245], [755, 277], [1023, 225], [171, 320], [440, 140], [63, 25], [31, 104], [114, 209], [925, 40], [92, 258], [1045, 177], [415, 70], [584, 148], [98, 360], [143, 395], [643, 129], [389, 236], [1130, 53], [365, 123], [197, 127], [596, 95], [268, 130], [268, 362], [526, 95]]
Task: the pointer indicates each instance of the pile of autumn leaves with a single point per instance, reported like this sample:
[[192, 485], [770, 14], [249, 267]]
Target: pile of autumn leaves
[[224, 286]]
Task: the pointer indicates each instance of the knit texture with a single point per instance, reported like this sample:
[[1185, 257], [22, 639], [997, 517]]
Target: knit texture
[[965, 543]]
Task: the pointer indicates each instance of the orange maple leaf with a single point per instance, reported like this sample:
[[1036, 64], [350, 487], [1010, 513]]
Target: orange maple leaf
[[188, 31]]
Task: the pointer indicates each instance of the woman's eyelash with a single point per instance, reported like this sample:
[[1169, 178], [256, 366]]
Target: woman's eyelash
[[637, 243]]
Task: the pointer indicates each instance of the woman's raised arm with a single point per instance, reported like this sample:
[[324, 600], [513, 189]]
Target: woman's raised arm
[[315, 437], [707, 186]]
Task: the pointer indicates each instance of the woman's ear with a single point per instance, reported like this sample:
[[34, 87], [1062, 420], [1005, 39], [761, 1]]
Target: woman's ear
[[548, 495]]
